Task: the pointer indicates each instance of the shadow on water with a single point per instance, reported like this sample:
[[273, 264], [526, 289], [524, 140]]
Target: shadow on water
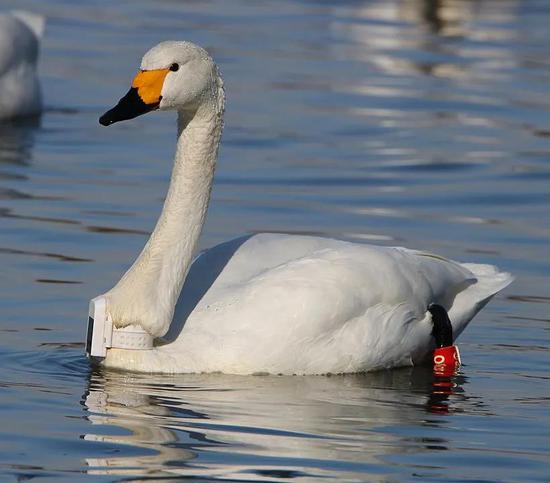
[[188, 424]]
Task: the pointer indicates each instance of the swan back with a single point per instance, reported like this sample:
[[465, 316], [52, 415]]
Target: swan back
[[338, 306]]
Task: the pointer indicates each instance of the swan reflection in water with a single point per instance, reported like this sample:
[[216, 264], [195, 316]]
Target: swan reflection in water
[[16, 146], [268, 426], [17, 142]]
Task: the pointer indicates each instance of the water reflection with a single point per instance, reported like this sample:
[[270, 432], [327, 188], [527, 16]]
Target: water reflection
[[142, 416], [16, 143], [187, 425], [442, 17], [426, 36], [443, 387]]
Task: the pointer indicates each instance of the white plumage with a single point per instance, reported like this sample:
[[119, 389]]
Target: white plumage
[[272, 303], [20, 34]]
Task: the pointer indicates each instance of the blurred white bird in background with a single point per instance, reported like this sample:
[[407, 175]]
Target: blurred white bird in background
[[20, 35]]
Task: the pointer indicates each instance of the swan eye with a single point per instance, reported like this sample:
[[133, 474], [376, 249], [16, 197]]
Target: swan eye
[[174, 67]]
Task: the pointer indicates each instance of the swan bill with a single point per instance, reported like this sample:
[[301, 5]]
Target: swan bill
[[144, 96]]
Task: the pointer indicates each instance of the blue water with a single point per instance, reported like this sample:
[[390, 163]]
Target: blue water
[[416, 123]]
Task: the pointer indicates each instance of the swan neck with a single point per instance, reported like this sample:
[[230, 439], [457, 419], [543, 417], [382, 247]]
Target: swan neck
[[148, 292]]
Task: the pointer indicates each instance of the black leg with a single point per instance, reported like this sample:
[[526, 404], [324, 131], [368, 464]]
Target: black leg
[[443, 330]]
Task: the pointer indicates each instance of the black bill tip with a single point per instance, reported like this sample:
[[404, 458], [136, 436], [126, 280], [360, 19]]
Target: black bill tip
[[130, 106], [106, 120]]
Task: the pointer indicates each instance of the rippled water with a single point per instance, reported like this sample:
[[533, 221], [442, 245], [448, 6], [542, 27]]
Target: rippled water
[[418, 123]]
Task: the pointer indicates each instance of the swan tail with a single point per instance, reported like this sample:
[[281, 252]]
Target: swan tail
[[489, 281]]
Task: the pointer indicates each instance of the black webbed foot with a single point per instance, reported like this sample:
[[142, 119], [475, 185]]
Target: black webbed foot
[[442, 328]]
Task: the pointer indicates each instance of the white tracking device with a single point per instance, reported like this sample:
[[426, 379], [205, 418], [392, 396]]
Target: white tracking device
[[100, 329], [101, 335]]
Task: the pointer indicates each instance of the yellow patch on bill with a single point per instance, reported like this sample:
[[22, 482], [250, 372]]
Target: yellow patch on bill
[[149, 84]]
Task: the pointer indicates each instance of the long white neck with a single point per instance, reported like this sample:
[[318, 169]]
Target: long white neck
[[147, 293]]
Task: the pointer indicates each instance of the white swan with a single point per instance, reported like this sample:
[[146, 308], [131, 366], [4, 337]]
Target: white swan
[[20, 34], [268, 303]]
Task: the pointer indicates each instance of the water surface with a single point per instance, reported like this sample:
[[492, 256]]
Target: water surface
[[416, 123]]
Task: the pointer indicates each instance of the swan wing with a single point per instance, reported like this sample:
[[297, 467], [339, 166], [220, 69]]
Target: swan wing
[[299, 304]]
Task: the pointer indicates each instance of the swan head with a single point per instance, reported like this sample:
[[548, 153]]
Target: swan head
[[174, 75]]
